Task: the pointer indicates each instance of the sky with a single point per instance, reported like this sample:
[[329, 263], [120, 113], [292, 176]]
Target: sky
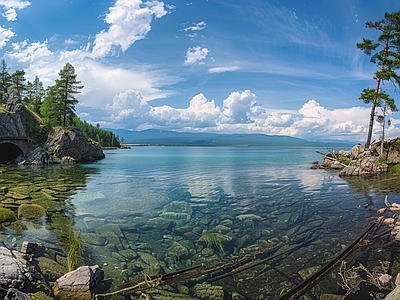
[[285, 67]]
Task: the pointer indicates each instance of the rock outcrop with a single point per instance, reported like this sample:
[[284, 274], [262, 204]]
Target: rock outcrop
[[70, 145], [357, 161], [16, 117]]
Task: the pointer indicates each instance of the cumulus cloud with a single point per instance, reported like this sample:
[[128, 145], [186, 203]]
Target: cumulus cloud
[[195, 54], [5, 36], [241, 113], [201, 113], [238, 108], [28, 52], [223, 69], [129, 22], [128, 106], [11, 7]]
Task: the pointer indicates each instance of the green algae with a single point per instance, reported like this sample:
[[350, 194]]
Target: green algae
[[18, 226], [31, 211], [6, 215]]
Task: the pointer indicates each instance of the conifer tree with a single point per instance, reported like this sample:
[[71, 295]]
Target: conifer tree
[[67, 87], [34, 94], [5, 80], [19, 81], [48, 109], [385, 54]]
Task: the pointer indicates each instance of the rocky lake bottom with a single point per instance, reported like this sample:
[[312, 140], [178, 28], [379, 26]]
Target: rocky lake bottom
[[253, 230]]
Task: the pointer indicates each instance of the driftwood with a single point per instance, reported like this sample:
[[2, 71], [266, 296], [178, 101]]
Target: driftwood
[[310, 282], [331, 158]]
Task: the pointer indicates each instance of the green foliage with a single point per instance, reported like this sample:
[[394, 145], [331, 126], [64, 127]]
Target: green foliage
[[5, 80], [58, 108], [211, 240], [103, 137], [18, 80], [386, 56], [34, 94]]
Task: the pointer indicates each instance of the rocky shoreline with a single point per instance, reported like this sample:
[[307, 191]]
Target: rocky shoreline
[[361, 161]]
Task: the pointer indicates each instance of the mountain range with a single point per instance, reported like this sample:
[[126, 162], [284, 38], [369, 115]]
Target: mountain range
[[174, 138]]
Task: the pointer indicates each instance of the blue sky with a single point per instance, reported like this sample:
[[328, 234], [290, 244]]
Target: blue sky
[[276, 67]]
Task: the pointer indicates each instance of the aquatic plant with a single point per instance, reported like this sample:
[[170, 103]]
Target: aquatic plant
[[70, 240], [75, 250], [211, 240]]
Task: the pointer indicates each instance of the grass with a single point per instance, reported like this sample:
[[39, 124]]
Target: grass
[[212, 240]]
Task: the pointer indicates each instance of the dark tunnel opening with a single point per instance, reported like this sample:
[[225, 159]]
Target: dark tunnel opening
[[9, 152]]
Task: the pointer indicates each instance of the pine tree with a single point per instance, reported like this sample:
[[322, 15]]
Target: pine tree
[[34, 94], [48, 109], [387, 60], [19, 81], [67, 87], [5, 80]]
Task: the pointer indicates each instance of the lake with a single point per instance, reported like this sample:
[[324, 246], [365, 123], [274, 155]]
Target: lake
[[153, 210]]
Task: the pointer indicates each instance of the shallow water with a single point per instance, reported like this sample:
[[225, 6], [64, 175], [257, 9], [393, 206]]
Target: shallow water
[[144, 211]]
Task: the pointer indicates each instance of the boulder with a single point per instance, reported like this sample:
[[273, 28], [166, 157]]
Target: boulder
[[73, 145], [78, 284], [15, 270]]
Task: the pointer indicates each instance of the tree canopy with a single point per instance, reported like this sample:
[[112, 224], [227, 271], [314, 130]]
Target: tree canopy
[[385, 54]]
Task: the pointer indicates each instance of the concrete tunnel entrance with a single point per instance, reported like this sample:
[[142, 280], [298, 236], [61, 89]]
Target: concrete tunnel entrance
[[9, 152]]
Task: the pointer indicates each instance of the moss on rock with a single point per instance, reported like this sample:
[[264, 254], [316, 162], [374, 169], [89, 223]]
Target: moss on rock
[[6, 215], [31, 211]]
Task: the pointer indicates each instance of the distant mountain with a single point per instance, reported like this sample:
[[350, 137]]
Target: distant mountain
[[173, 138]]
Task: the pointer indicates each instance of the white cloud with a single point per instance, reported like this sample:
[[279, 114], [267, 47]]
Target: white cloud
[[196, 27], [11, 7], [201, 113], [238, 108], [5, 36], [223, 69], [26, 52], [128, 106], [10, 14], [195, 54], [129, 22]]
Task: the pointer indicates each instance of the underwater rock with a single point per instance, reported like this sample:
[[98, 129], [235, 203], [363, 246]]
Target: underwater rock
[[208, 292], [159, 223], [51, 269], [177, 250], [94, 239], [31, 211], [248, 217], [92, 223], [394, 295], [6, 215]]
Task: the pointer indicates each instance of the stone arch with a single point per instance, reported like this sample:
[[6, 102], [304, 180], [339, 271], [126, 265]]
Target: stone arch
[[9, 152]]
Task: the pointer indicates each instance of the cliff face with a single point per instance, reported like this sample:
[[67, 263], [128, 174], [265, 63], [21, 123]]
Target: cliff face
[[62, 143]]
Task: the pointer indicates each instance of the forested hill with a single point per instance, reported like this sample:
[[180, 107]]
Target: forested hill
[[173, 138]]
